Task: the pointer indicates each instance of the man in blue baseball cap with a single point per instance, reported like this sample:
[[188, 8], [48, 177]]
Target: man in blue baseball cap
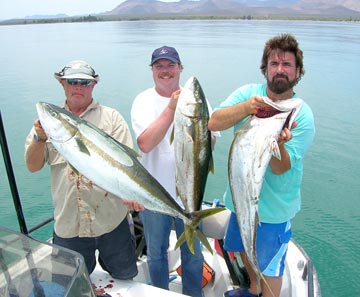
[[152, 117]]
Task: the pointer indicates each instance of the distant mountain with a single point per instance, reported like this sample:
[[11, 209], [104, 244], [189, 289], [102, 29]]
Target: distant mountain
[[153, 8], [319, 9]]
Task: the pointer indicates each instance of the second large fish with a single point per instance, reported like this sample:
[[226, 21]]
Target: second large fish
[[192, 146], [254, 144]]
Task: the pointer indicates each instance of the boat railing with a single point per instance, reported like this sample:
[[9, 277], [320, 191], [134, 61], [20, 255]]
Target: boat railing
[[308, 275]]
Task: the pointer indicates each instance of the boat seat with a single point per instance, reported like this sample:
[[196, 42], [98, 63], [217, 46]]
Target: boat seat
[[215, 225]]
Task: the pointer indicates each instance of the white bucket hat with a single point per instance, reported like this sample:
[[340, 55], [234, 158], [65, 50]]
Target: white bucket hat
[[77, 69]]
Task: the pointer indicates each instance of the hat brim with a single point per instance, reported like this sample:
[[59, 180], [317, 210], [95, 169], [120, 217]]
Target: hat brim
[[166, 58], [76, 75]]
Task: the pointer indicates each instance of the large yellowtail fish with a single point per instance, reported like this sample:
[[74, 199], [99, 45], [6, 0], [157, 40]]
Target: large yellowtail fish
[[108, 163], [254, 144], [192, 146]]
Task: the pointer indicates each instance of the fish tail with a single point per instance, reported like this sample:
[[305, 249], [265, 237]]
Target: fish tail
[[189, 235], [198, 216], [191, 231]]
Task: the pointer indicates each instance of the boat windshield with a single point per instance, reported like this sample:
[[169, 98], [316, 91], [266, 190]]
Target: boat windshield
[[29, 267]]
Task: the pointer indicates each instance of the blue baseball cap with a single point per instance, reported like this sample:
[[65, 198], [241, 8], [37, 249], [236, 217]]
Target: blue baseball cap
[[165, 52]]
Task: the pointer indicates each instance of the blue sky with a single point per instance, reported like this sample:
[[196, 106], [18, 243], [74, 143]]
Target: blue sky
[[21, 8]]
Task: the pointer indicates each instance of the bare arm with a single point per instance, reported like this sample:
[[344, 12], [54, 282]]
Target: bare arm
[[35, 153], [227, 117], [156, 131]]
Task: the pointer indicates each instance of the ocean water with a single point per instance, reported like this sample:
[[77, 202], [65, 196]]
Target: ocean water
[[223, 55]]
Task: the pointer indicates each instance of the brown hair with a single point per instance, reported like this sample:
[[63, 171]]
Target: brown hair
[[285, 43]]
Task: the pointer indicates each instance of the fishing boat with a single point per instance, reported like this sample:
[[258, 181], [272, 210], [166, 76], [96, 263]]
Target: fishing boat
[[300, 277], [31, 267]]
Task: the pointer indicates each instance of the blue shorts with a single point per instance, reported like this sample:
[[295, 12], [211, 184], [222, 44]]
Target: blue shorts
[[116, 251], [271, 244]]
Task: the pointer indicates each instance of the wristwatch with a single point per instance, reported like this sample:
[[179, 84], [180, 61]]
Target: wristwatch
[[38, 139]]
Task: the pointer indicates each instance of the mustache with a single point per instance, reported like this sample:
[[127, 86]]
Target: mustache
[[166, 75], [281, 76]]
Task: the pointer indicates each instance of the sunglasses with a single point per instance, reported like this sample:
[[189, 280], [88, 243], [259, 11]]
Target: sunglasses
[[83, 82]]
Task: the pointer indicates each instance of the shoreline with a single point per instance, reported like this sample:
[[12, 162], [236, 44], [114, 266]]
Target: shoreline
[[93, 18]]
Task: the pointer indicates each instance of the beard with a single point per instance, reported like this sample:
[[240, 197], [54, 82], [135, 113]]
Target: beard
[[279, 86]]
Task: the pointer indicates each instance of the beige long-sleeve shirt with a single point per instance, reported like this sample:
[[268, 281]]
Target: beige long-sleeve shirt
[[80, 207]]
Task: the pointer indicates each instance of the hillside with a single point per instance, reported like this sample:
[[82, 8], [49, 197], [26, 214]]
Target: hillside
[[340, 10], [153, 8]]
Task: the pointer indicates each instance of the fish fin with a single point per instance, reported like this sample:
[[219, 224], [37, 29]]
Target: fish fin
[[201, 236], [180, 240], [82, 147], [275, 150], [189, 235], [291, 117], [172, 136], [199, 215], [211, 165], [191, 230], [289, 120]]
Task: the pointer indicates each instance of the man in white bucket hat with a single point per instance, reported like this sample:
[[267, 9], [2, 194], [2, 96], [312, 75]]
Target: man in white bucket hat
[[87, 218]]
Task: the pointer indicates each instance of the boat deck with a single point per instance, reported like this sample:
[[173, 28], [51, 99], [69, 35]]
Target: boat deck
[[104, 283], [299, 280]]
